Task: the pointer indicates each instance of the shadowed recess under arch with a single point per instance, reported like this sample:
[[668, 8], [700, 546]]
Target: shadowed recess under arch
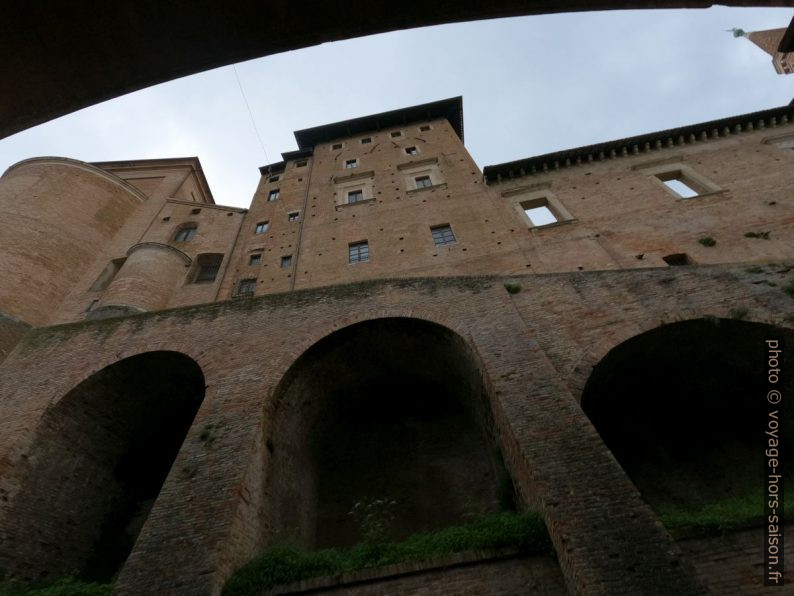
[[392, 409], [683, 409], [98, 461]]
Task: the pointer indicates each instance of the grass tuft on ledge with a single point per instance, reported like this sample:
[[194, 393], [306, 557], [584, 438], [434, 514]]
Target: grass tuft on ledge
[[285, 564], [719, 517]]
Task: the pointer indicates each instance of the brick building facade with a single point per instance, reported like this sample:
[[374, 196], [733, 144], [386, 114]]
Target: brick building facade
[[184, 373]]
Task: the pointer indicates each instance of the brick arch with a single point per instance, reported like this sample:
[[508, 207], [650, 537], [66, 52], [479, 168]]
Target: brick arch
[[676, 400], [595, 352], [429, 377], [97, 459], [300, 345]]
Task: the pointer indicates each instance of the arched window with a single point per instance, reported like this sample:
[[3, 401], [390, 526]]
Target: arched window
[[185, 232]]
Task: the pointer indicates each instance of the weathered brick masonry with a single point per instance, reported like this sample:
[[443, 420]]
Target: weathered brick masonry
[[177, 369], [205, 521]]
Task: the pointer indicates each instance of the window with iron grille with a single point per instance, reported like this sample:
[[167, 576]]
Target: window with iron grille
[[358, 252], [423, 181], [254, 260], [336, 146], [261, 227], [366, 140], [273, 194], [351, 163], [246, 286], [286, 262], [442, 234], [207, 267], [186, 233], [355, 196], [294, 216]]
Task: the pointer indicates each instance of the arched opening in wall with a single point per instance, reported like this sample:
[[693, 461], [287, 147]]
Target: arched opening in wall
[[391, 409], [99, 459], [683, 408]]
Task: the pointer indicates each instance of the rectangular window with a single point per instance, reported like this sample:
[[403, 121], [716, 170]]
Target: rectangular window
[[423, 181], [246, 286], [254, 260], [355, 196], [540, 215], [195, 211], [261, 227], [208, 266], [679, 187], [366, 140], [411, 150], [442, 235], [273, 179], [396, 134], [294, 216], [336, 146], [207, 273], [424, 128], [682, 181], [302, 163], [351, 163], [286, 262], [358, 252], [273, 195]]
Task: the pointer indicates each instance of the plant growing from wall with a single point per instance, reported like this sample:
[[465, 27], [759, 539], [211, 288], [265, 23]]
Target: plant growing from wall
[[707, 241], [279, 565]]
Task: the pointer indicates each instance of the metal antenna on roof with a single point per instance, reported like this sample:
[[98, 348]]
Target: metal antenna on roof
[[250, 113]]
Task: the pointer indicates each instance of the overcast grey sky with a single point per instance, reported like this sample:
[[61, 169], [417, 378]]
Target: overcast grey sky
[[529, 85]]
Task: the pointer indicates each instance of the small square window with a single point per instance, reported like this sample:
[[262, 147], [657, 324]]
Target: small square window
[[286, 262], [424, 128], [262, 227], [185, 234], [396, 134], [273, 195], [411, 150], [351, 163], [423, 182], [246, 286], [366, 140], [442, 235], [294, 216], [358, 252], [301, 163], [254, 260], [540, 215], [355, 196], [273, 179], [677, 260], [336, 146]]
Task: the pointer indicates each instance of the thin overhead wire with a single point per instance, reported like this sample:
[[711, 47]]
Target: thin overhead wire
[[250, 113]]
